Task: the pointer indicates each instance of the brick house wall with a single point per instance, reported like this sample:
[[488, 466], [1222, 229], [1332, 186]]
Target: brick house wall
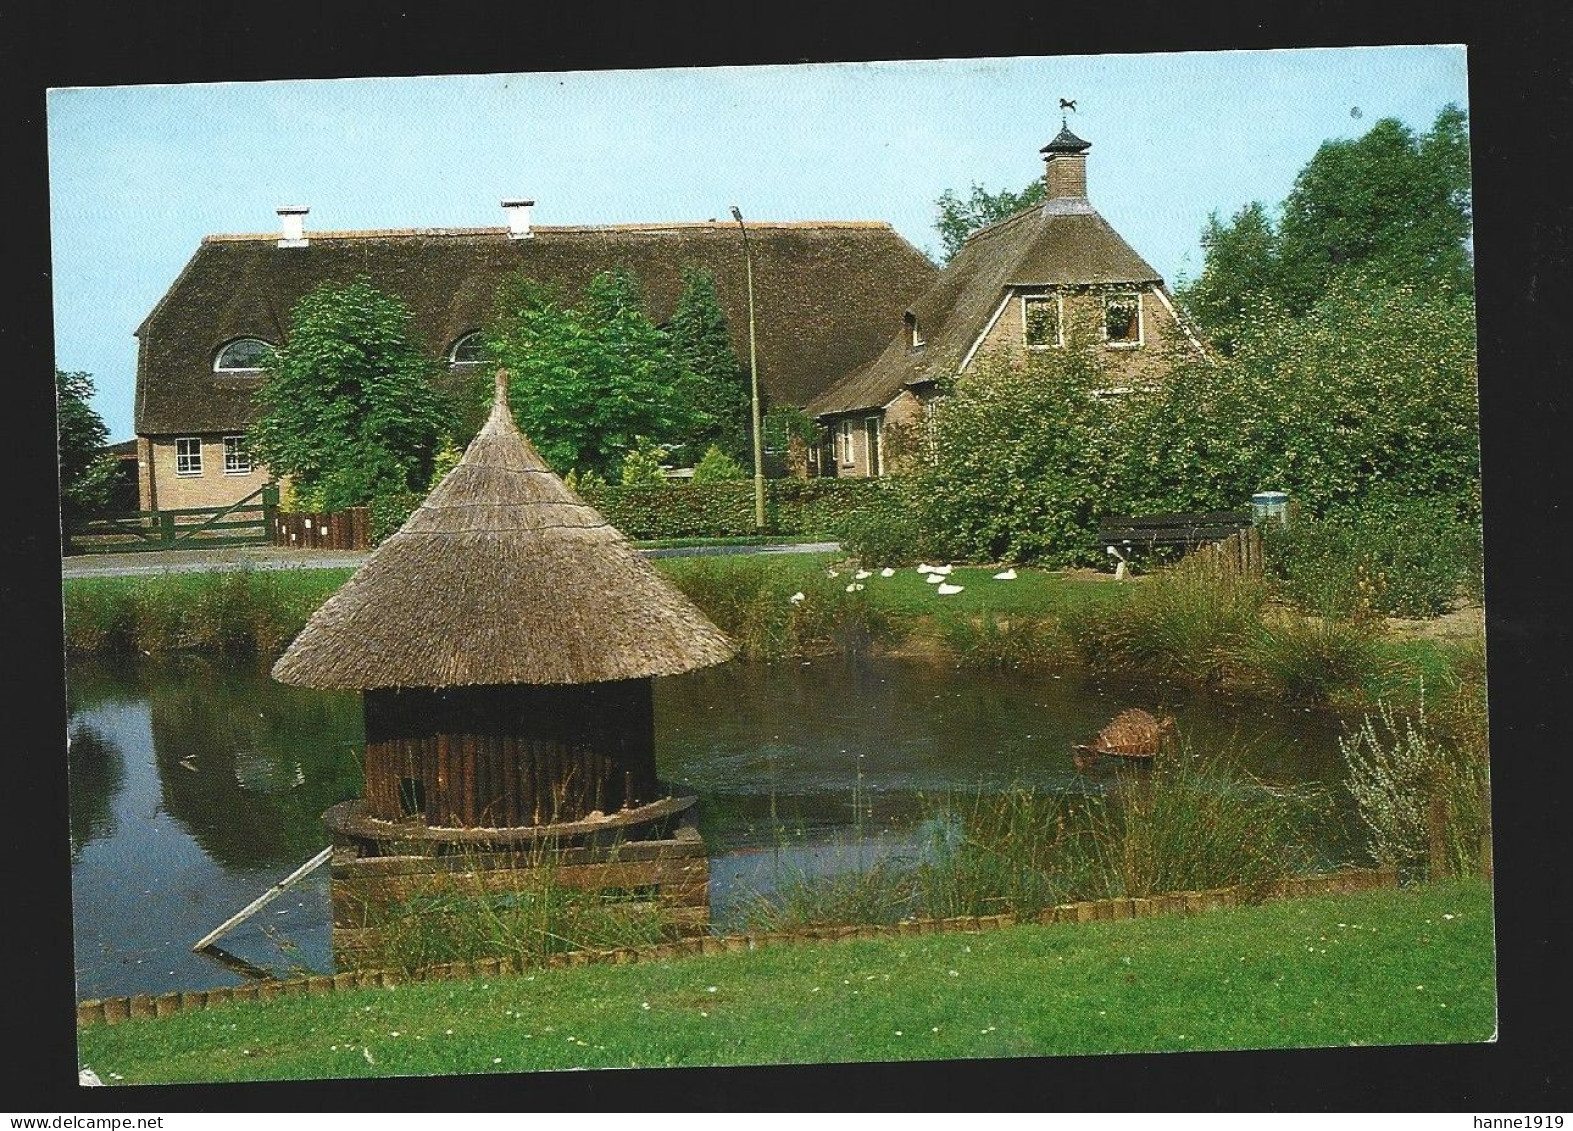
[[164, 488], [1082, 321]]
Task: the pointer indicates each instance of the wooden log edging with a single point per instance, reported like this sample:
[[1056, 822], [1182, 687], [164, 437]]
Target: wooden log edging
[[110, 1011]]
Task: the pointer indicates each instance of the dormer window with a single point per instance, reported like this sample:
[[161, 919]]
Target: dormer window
[[468, 351], [914, 334], [243, 356], [1122, 319], [1041, 322]]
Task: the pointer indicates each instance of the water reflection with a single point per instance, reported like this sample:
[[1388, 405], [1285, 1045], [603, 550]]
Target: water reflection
[[97, 773]]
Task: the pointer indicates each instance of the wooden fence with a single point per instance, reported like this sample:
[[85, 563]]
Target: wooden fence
[[341, 530], [1239, 554], [246, 522]]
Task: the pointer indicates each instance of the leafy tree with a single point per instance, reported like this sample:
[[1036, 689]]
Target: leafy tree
[[87, 471], [1240, 270], [959, 218], [1024, 461], [348, 410], [717, 467], [721, 396], [587, 381], [1394, 205], [642, 464], [1391, 206]]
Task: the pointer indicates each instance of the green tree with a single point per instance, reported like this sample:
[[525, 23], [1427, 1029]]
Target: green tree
[[642, 464], [87, 471], [1025, 459], [348, 410], [959, 218], [1239, 271], [720, 393], [717, 467], [588, 380], [1391, 206]]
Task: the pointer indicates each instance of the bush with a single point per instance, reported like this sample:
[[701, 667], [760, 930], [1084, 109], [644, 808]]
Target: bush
[[717, 467], [1386, 558], [887, 533], [1425, 802], [389, 512]]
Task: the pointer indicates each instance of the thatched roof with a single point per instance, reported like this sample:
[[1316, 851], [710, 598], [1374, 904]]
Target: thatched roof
[[503, 575], [826, 294], [1061, 243]]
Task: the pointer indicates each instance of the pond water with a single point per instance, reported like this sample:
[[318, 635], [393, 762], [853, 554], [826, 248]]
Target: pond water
[[197, 783]]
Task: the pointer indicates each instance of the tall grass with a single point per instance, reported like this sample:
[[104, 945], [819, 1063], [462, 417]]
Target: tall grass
[[1187, 822], [1186, 624], [238, 611], [1316, 660], [992, 640], [526, 914], [1190, 823]]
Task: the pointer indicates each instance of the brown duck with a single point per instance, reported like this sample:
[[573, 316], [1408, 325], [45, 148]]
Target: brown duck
[[1134, 734]]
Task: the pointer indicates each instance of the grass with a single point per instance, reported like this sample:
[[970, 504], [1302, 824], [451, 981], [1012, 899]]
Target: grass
[[1413, 966]]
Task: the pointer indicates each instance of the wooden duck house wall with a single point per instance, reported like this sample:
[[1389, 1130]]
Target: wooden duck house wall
[[509, 756]]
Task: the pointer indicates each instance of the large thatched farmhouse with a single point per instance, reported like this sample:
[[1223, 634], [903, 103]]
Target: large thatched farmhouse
[[825, 294], [1051, 277]]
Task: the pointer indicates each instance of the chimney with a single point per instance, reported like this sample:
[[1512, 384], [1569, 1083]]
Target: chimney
[[519, 218], [1065, 165], [292, 219]]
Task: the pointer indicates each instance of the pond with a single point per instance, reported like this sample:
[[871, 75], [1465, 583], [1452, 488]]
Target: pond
[[198, 782]]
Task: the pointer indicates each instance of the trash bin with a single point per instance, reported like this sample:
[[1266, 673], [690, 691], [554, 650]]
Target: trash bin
[[1267, 505]]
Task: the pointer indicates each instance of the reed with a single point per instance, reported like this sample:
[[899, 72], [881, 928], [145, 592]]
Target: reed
[[1316, 660], [465, 915], [1190, 822]]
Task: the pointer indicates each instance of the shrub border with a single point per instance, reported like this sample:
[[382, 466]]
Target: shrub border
[[113, 1010]]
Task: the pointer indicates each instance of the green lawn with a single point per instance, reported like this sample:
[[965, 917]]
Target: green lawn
[[1391, 967]]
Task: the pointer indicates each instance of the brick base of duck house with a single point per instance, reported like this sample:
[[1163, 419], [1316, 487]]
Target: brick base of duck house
[[372, 894]]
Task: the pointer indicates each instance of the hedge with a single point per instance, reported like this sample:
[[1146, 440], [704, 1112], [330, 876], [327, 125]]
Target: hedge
[[794, 508]]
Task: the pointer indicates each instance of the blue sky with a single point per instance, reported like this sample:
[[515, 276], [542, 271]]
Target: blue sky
[[138, 175]]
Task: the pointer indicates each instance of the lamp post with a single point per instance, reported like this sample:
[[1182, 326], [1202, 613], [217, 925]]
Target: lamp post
[[753, 381]]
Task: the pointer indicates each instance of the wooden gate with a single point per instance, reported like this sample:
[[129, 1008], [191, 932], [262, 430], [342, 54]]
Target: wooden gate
[[246, 522]]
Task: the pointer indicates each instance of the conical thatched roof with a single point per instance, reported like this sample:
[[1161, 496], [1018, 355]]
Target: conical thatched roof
[[502, 575]]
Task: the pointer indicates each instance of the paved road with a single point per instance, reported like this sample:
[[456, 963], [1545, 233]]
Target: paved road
[[269, 557]]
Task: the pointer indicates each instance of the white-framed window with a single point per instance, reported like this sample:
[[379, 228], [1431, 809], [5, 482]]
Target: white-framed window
[[871, 440], [242, 356], [1122, 319], [469, 350], [914, 331], [1041, 323], [237, 459], [188, 455], [846, 430]]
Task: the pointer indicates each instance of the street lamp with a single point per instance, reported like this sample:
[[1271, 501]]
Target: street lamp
[[753, 381]]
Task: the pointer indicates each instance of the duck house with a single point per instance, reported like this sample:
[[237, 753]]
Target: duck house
[[505, 641]]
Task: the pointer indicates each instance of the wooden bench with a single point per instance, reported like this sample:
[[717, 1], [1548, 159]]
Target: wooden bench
[[1121, 534]]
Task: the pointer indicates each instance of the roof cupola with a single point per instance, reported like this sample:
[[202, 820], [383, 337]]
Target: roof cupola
[[1065, 165]]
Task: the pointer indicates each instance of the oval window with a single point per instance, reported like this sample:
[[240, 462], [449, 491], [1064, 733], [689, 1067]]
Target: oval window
[[468, 350], [243, 355]]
